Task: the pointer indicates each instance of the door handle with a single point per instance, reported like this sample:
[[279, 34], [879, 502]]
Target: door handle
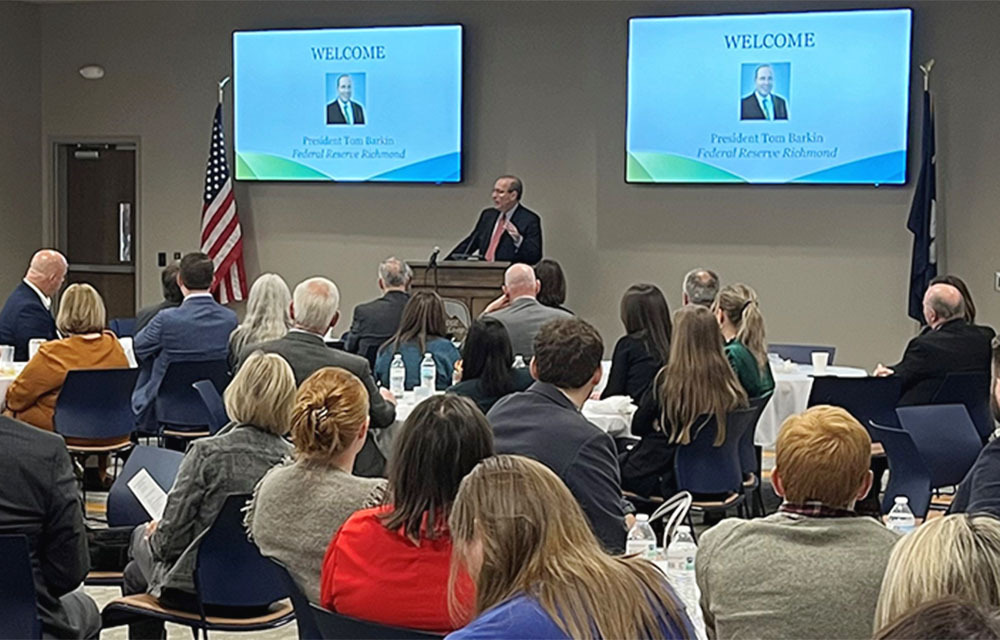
[[124, 231]]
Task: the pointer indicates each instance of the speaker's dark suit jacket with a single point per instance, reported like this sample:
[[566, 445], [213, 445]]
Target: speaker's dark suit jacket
[[25, 317], [335, 116], [750, 108], [39, 499], [528, 224], [954, 347], [543, 424], [376, 321]]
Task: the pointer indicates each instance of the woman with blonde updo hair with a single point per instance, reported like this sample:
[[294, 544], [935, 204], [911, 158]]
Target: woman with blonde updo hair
[[299, 505], [742, 325]]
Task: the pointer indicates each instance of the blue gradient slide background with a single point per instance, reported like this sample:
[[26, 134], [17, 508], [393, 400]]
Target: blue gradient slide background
[[413, 96], [852, 89]]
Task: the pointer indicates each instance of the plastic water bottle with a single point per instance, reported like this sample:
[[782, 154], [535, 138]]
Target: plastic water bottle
[[681, 553], [519, 362], [901, 519], [428, 377], [641, 538], [397, 376]]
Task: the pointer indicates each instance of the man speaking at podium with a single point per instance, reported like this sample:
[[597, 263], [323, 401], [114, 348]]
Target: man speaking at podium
[[508, 232]]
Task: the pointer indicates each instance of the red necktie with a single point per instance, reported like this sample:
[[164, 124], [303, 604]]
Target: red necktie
[[495, 240]]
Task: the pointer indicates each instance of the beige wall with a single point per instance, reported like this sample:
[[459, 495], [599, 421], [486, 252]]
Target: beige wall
[[20, 128], [545, 93]]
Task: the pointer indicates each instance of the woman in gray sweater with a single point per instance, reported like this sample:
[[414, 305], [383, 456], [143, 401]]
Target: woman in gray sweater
[[298, 505]]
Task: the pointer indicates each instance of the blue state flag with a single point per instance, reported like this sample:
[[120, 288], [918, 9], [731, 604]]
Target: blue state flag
[[922, 222]]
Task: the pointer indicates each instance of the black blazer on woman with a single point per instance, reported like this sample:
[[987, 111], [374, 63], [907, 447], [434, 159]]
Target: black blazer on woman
[[633, 368]]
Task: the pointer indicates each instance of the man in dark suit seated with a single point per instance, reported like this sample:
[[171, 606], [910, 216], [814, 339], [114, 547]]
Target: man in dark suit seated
[[980, 489], [545, 423], [508, 232], [27, 313], [172, 296], [951, 346], [39, 499], [376, 321], [343, 110], [197, 330], [762, 104]]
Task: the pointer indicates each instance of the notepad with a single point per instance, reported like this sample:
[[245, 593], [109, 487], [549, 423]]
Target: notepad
[[150, 495]]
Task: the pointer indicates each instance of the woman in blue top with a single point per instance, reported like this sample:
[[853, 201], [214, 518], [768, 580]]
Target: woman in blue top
[[422, 329], [539, 570]]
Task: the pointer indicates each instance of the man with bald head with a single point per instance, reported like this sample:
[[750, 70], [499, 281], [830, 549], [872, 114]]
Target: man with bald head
[[520, 311], [951, 345], [27, 313]]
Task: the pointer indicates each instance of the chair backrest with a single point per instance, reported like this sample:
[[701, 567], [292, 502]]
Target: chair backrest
[[945, 438], [212, 400], [230, 571], [333, 626], [18, 605], [800, 353], [161, 464], [973, 391], [370, 354], [122, 327], [908, 475], [702, 468], [177, 403], [96, 403], [748, 452], [867, 399], [304, 618]]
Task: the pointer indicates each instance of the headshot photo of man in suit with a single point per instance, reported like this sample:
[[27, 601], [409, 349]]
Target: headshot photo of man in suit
[[763, 104], [344, 110]]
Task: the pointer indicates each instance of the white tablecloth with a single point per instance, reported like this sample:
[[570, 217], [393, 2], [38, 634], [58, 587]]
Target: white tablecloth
[[7, 377], [791, 395]]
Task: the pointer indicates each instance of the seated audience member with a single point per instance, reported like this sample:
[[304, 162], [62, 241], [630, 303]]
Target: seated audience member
[[520, 311], [540, 572], [970, 306], [422, 329], [545, 423], [948, 617], [816, 561], [39, 499], [297, 505], [391, 564], [957, 555], [697, 383], [314, 310], [86, 345], [172, 296], [27, 313], [267, 315], [979, 491], [259, 401], [552, 281], [376, 321], [701, 286], [951, 345], [487, 371], [197, 330], [645, 347], [742, 325]]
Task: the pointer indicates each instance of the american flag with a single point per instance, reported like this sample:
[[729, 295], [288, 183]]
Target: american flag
[[221, 235]]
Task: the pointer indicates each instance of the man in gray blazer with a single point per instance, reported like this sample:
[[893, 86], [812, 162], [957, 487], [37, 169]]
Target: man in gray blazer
[[519, 311]]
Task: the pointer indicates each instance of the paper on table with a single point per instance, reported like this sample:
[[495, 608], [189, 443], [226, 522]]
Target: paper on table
[[150, 495]]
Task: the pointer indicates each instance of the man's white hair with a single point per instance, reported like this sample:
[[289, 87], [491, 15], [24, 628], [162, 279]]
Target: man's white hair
[[316, 301]]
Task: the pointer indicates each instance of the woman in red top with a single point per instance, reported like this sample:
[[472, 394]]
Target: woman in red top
[[390, 564]]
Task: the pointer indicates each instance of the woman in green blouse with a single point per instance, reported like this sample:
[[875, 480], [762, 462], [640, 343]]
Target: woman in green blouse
[[742, 326]]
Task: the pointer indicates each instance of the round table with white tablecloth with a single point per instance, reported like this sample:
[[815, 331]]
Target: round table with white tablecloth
[[791, 395]]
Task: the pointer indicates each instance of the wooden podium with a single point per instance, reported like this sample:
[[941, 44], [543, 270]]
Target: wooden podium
[[474, 283]]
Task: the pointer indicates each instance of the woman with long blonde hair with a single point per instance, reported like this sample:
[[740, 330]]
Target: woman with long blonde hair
[[957, 555], [696, 384], [268, 314], [738, 312], [538, 569]]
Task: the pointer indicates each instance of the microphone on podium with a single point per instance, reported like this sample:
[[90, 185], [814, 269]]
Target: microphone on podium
[[432, 265]]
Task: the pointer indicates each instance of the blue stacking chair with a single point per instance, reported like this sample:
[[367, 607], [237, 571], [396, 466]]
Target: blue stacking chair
[[18, 604], [750, 461], [304, 618], [945, 438], [180, 411], [800, 353], [162, 464], [212, 400], [973, 391], [334, 626], [867, 399], [701, 468], [230, 574], [122, 327], [908, 475]]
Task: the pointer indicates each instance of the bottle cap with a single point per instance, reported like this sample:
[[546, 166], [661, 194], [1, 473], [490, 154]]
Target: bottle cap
[[683, 527], [642, 517], [902, 500]]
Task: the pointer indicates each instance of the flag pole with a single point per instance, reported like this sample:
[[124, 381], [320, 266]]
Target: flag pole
[[925, 68], [225, 81]]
